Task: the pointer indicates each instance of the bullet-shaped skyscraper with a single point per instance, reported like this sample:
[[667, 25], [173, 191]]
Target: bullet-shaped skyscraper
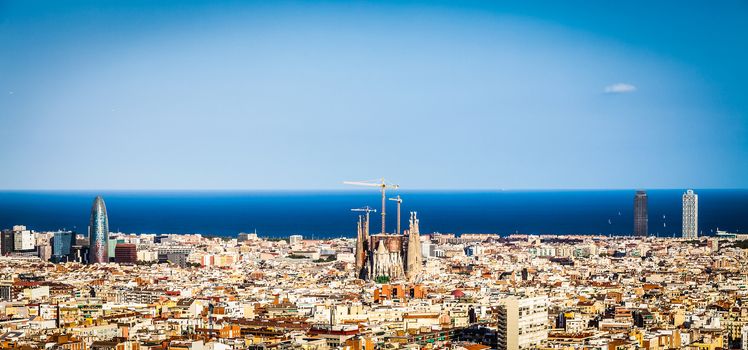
[[641, 218], [98, 233], [690, 215]]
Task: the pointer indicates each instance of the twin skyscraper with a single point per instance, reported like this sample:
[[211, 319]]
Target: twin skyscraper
[[690, 214]]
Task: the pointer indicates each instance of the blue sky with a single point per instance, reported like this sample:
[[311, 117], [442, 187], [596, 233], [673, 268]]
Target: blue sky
[[304, 95]]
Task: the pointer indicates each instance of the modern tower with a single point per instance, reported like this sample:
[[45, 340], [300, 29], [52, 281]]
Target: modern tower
[[641, 218], [62, 244], [98, 233], [690, 215]]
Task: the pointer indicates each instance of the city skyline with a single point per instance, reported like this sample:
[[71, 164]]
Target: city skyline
[[399, 175], [207, 95]]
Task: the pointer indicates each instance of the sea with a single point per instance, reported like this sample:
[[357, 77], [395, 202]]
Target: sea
[[327, 214]]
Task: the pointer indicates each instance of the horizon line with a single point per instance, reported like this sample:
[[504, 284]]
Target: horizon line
[[355, 189]]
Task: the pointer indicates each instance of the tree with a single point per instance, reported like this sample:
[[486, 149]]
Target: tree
[[382, 279]]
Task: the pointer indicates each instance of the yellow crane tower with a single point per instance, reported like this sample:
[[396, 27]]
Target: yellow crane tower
[[399, 201], [383, 185]]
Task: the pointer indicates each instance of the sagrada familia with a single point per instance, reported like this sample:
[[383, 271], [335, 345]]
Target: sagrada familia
[[395, 256]]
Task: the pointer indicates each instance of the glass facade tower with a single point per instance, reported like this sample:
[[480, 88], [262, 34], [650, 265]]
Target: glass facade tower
[[62, 243], [98, 233], [641, 217]]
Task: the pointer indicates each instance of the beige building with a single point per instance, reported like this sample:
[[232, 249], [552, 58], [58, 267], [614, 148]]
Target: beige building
[[522, 322]]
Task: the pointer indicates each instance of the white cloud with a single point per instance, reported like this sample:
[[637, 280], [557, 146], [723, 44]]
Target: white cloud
[[619, 88]]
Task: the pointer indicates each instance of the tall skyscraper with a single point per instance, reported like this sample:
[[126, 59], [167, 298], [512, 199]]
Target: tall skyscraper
[[690, 215], [641, 218], [98, 233]]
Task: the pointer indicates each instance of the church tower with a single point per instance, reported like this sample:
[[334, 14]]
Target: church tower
[[414, 262], [361, 247]]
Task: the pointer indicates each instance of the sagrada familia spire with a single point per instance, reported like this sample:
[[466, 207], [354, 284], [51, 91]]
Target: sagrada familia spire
[[393, 256], [414, 262], [361, 244]]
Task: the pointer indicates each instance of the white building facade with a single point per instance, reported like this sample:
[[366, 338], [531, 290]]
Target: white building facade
[[295, 239], [23, 239]]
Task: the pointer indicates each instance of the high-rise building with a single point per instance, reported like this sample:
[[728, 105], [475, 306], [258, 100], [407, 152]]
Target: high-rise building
[[23, 239], [641, 218], [62, 244], [7, 242], [126, 253], [522, 323], [690, 215], [98, 233]]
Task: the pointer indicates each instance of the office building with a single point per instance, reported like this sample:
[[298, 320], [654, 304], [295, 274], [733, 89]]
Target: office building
[[23, 239], [641, 218], [126, 253], [98, 233], [690, 215], [522, 322], [62, 244], [178, 259], [7, 242]]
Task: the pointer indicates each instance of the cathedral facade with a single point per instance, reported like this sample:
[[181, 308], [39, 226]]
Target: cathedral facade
[[393, 256]]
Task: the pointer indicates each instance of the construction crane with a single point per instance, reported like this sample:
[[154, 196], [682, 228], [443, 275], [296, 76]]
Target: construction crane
[[367, 209], [383, 185], [399, 201]]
